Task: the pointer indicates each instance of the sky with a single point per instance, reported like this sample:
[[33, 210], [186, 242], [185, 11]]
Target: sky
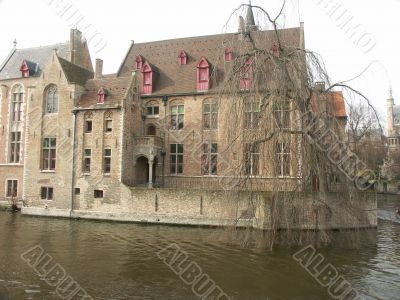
[[351, 37]]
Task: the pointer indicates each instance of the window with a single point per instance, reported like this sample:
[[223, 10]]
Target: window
[[88, 126], [16, 105], [282, 114], [12, 188], [210, 116], [228, 54], [182, 58], [153, 110], [177, 117], [101, 96], [98, 194], [108, 125], [209, 160], [52, 100], [246, 76], [176, 159], [24, 69], [77, 191], [15, 147], [108, 115], [252, 115], [252, 159], [88, 121], [47, 193], [151, 130], [282, 153], [203, 75], [107, 161], [138, 62], [87, 160], [147, 84], [49, 154]]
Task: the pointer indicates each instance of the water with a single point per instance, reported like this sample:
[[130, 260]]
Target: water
[[119, 261]]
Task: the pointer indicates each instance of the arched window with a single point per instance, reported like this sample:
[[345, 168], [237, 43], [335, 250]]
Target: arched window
[[151, 130], [52, 100], [17, 101], [203, 75]]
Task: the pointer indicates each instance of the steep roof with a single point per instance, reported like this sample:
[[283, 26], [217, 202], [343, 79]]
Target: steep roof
[[175, 78], [10, 69], [75, 74], [116, 89]]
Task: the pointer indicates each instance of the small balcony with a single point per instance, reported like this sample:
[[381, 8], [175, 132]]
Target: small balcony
[[148, 141]]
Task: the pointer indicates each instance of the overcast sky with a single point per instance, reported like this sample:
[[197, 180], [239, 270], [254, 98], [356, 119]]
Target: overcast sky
[[111, 26]]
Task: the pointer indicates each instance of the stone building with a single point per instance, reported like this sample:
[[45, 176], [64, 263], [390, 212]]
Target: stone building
[[148, 144], [33, 90]]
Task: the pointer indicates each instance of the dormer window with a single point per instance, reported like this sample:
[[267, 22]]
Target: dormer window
[[24, 69], [228, 54], [138, 62], [203, 75], [147, 83], [101, 95], [275, 50], [246, 75], [182, 58]]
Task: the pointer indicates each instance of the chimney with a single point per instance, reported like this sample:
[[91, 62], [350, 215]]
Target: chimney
[[75, 43], [99, 69]]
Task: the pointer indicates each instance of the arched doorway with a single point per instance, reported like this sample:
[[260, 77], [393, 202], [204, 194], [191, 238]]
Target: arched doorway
[[151, 130], [142, 173]]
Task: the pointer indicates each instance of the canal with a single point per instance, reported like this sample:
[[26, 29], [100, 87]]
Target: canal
[[120, 261]]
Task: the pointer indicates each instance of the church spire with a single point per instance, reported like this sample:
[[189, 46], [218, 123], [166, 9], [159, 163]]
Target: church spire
[[250, 21]]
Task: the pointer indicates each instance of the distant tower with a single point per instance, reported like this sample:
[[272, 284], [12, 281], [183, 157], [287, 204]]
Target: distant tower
[[390, 114]]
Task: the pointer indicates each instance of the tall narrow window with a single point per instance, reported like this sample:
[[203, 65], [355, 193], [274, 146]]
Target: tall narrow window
[[282, 152], [87, 160], [101, 95], [252, 159], [16, 105], [282, 114], [209, 160], [176, 159], [46, 193], [12, 188], [147, 74], [210, 116], [182, 58], [177, 117], [107, 161], [246, 75], [24, 69], [88, 122], [49, 154], [108, 116], [252, 115], [15, 145], [52, 100], [203, 75]]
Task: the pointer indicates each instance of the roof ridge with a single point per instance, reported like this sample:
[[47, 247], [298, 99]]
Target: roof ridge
[[209, 36], [40, 47]]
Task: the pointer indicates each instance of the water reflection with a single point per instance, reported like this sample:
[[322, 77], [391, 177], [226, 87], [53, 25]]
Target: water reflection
[[119, 261]]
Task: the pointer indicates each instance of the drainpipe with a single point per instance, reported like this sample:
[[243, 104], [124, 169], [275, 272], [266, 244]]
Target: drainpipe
[[73, 165], [163, 152]]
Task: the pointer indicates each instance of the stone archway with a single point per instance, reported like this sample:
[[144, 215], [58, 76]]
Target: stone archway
[[145, 171]]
